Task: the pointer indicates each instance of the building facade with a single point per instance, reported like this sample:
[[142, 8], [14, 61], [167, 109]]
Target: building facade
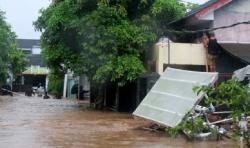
[[36, 72], [233, 39]]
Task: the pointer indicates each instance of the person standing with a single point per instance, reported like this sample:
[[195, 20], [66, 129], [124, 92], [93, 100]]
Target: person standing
[[74, 90], [214, 50]]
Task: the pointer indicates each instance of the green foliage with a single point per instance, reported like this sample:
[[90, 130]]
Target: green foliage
[[191, 6], [231, 94], [6, 42], [55, 86], [164, 12], [17, 61], [193, 126], [174, 132], [104, 39], [11, 59], [167, 10], [119, 69], [190, 126]]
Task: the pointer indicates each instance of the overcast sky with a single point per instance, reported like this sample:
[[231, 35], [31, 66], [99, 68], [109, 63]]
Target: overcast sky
[[20, 14]]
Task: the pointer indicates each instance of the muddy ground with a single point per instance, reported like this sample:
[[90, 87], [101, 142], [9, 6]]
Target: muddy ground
[[37, 123]]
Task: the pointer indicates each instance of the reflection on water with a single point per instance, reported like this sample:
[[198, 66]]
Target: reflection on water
[[38, 123]]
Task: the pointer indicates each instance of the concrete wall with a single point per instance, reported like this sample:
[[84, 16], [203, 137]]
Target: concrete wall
[[236, 11], [180, 54]]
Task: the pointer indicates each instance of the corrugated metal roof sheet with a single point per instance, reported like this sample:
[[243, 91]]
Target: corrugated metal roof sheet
[[172, 96], [242, 73], [36, 70]]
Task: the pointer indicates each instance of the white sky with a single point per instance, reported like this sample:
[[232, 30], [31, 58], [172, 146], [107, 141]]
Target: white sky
[[196, 1], [21, 14]]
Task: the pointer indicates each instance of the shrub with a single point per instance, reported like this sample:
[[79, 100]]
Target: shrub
[[231, 94], [55, 86]]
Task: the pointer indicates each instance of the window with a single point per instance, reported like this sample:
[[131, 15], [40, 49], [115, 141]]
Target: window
[[26, 50], [36, 50]]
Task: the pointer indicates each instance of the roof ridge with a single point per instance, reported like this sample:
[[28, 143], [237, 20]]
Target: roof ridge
[[200, 7]]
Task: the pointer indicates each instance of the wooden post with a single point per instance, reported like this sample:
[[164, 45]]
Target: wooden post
[[205, 41], [206, 58]]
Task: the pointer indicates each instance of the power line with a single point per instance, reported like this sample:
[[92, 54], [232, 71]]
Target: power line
[[210, 29]]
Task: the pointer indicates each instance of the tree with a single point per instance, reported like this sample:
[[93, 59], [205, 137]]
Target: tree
[[104, 39], [12, 60], [55, 86], [17, 61]]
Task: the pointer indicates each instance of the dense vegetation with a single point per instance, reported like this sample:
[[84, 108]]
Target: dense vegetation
[[55, 86], [230, 95], [104, 39], [12, 60]]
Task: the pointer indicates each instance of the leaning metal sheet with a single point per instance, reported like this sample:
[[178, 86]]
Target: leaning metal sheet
[[172, 96], [242, 73]]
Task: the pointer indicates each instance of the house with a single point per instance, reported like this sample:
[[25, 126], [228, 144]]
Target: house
[[186, 51], [36, 71], [233, 40]]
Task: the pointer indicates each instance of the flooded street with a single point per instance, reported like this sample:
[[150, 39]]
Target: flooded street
[[37, 123]]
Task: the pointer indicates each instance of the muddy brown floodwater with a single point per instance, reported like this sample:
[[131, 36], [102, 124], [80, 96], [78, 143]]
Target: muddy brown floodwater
[[37, 123]]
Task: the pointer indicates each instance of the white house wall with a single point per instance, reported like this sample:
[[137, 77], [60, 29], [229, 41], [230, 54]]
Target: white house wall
[[180, 54], [236, 11]]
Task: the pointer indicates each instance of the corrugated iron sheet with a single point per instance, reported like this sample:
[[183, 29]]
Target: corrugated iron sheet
[[172, 96]]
